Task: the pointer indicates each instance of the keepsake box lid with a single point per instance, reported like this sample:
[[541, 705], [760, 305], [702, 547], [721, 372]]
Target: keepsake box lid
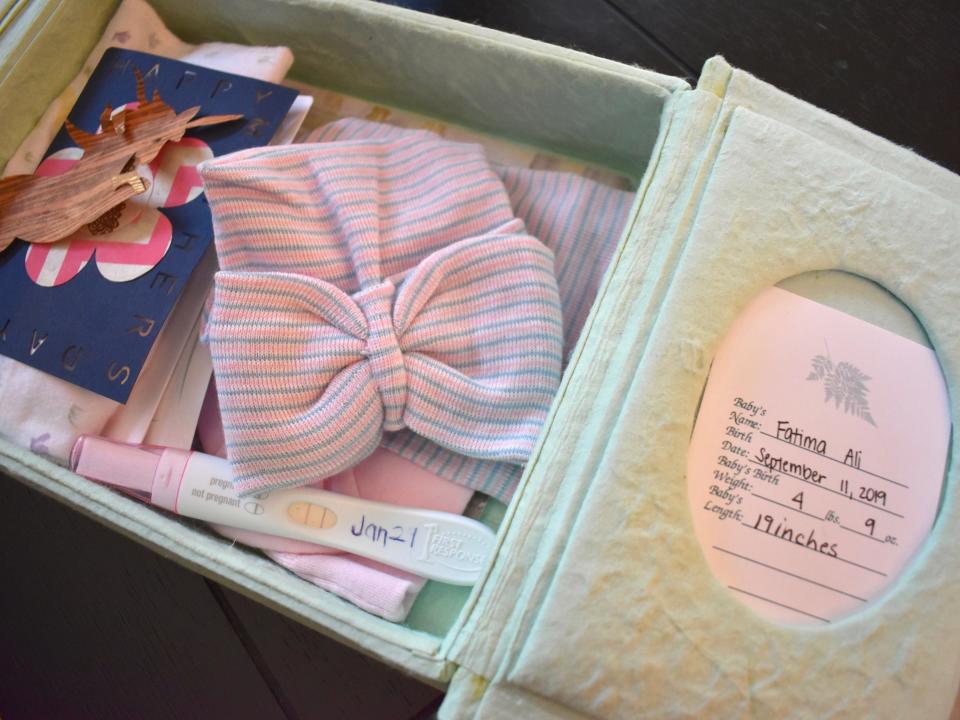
[[601, 603]]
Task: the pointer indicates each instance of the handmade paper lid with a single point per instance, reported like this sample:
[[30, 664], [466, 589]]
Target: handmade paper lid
[[607, 606]]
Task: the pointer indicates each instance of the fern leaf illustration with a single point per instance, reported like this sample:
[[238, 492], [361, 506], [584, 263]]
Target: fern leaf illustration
[[845, 384], [822, 366]]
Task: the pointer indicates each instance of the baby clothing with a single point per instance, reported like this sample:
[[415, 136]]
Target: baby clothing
[[395, 299], [579, 219]]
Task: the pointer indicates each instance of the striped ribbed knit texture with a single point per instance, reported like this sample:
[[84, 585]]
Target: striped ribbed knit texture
[[579, 219], [378, 290]]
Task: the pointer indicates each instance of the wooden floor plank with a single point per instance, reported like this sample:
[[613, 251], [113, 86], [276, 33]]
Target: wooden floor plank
[[592, 26], [890, 67], [93, 625], [318, 676]]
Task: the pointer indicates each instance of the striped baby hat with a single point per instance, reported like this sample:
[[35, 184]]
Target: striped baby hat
[[378, 291], [579, 219]]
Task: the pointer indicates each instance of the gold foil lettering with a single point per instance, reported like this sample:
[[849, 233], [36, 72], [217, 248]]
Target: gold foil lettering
[[144, 327], [70, 357], [254, 126], [114, 372], [188, 77], [163, 280], [222, 86], [188, 238], [37, 341]]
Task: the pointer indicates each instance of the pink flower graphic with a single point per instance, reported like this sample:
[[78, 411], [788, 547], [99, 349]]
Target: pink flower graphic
[[130, 240]]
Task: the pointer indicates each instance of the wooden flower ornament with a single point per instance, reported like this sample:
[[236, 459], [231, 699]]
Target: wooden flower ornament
[[45, 209]]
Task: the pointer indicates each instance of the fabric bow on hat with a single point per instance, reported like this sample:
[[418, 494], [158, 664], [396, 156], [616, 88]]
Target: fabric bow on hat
[[464, 351], [378, 288]]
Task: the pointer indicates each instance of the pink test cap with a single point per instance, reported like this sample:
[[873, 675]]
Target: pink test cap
[[150, 473]]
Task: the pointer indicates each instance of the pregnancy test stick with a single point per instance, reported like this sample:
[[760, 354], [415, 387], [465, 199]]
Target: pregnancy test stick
[[435, 545]]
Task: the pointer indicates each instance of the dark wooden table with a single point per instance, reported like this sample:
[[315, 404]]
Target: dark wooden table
[[94, 626]]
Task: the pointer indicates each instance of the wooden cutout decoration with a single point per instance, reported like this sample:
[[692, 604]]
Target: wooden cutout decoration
[[46, 209]]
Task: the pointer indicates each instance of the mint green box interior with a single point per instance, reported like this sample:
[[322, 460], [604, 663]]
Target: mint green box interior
[[560, 101]]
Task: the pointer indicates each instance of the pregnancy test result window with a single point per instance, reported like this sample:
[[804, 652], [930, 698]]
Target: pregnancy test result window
[[817, 460]]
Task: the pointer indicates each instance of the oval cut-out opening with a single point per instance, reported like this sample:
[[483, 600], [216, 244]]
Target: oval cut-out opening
[[817, 459]]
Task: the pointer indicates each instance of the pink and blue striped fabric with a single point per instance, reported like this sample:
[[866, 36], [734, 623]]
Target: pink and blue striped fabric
[[579, 219], [378, 291]]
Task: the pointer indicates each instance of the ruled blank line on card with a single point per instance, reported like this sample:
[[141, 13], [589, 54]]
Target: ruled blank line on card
[[829, 557], [785, 572], [839, 462], [779, 604], [829, 490]]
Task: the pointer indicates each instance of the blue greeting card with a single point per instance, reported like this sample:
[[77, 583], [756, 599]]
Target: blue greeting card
[[89, 308]]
